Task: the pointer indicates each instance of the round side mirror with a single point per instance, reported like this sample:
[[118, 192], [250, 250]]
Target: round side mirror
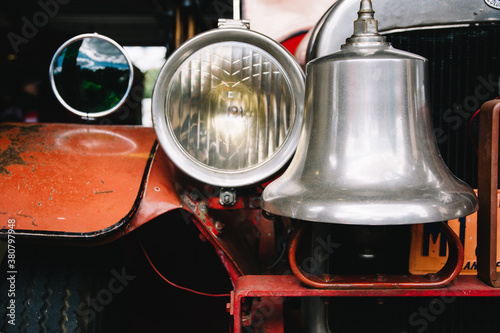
[[91, 75]]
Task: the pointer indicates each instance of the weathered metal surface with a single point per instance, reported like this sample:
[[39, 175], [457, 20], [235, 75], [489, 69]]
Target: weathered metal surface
[[229, 262], [72, 181], [487, 237], [230, 234], [252, 202], [159, 195]]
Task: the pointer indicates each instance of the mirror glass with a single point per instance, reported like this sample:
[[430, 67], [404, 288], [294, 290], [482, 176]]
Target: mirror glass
[[91, 75]]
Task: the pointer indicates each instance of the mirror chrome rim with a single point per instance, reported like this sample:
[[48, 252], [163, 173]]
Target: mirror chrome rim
[[208, 175], [61, 100]]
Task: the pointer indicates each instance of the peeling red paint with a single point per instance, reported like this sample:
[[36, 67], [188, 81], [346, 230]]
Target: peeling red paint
[[71, 179]]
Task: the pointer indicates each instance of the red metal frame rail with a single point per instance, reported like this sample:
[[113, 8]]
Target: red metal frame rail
[[273, 287]]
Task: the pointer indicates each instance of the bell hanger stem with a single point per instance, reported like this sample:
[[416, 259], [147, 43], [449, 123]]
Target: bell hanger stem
[[236, 21], [236, 10], [366, 10], [365, 26]]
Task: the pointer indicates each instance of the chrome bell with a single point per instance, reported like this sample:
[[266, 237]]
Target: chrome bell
[[367, 154]]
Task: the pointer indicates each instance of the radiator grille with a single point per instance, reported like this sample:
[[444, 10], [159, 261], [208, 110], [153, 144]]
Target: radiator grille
[[464, 72]]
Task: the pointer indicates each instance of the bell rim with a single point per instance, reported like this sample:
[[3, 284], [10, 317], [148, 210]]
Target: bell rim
[[364, 210]]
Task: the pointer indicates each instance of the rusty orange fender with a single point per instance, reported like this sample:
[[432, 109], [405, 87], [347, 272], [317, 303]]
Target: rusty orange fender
[[81, 181]]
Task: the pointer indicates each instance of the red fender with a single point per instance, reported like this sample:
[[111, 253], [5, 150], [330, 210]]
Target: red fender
[[80, 181]]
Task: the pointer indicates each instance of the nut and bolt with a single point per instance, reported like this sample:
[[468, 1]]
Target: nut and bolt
[[245, 316], [327, 278], [227, 197], [219, 226], [432, 276]]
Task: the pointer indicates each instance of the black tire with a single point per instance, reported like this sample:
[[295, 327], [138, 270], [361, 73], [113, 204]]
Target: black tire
[[61, 289]]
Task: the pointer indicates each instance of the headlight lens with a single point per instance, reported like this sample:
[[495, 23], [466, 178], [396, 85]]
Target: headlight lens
[[228, 112]]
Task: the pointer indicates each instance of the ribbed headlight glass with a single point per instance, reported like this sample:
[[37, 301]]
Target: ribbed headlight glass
[[230, 106], [226, 111]]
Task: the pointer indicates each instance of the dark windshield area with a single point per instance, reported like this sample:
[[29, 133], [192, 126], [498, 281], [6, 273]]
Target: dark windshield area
[[34, 30]]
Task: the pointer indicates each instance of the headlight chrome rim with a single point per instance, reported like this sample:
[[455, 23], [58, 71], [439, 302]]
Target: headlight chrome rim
[[188, 164]]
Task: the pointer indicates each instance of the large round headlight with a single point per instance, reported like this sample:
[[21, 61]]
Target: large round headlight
[[228, 105]]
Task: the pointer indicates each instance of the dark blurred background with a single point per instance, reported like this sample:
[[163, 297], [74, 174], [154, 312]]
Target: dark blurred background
[[33, 30]]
